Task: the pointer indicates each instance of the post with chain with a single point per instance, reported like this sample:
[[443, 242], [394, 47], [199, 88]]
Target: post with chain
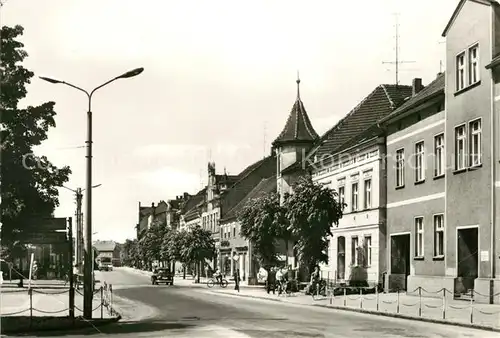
[[345, 297], [70, 271], [444, 303], [360, 298], [376, 295], [419, 301], [102, 301], [471, 306], [30, 292], [397, 306]]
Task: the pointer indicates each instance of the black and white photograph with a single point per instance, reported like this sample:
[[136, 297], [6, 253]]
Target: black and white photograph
[[250, 169]]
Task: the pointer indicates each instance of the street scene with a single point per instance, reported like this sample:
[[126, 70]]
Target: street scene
[[185, 169]]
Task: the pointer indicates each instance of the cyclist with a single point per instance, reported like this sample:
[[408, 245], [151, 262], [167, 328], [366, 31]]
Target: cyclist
[[218, 276]]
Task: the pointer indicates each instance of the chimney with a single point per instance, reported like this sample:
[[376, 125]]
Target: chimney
[[416, 86], [153, 205], [439, 74], [186, 195]]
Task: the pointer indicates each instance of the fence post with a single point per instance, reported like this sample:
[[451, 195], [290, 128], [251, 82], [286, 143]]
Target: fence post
[[420, 301], [397, 307], [444, 303], [111, 309], [345, 297], [102, 301], [376, 294], [30, 292], [471, 306], [360, 298]]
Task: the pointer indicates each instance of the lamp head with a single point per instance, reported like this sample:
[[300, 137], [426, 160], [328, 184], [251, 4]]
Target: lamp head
[[48, 79], [131, 73]]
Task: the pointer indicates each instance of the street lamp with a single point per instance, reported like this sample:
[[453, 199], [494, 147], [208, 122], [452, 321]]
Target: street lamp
[[88, 280]]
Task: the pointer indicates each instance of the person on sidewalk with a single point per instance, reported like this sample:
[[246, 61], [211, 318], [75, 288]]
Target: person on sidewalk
[[279, 280], [271, 280], [237, 280]]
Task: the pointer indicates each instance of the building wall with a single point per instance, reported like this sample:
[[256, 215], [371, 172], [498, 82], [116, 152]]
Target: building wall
[[496, 163], [358, 165], [416, 199], [468, 192]]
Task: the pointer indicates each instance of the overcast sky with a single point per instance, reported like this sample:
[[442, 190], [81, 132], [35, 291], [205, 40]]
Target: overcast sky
[[219, 82]]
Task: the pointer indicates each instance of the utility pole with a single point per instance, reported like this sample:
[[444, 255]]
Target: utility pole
[[79, 230], [397, 62]]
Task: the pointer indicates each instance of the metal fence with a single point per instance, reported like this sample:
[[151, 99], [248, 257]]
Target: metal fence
[[105, 302], [421, 301]]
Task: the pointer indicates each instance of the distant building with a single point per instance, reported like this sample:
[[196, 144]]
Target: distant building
[[108, 249]]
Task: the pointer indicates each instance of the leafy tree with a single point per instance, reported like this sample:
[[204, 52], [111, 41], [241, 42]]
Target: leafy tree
[[130, 252], [197, 246], [151, 242], [263, 223], [29, 182], [312, 210]]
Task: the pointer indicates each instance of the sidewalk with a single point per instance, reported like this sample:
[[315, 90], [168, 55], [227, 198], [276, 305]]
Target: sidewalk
[[46, 302], [391, 304], [36, 284]]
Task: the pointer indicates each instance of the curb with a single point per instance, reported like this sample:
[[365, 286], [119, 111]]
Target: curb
[[78, 325], [372, 312]]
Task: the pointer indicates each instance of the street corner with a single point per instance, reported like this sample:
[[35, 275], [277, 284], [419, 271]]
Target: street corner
[[133, 311]]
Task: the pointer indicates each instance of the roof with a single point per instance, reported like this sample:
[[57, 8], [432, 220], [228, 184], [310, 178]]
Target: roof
[[298, 127], [459, 8], [145, 211], [161, 207], [433, 89], [495, 62], [378, 104], [190, 208], [266, 185], [264, 168], [103, 246]]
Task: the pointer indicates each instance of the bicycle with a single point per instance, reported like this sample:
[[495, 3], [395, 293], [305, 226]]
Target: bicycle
[[213, 281]]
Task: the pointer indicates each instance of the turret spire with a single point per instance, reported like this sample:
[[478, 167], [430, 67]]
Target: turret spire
[[298, 85]]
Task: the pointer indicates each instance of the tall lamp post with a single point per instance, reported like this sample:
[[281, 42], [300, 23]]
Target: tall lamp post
[[88, 273]]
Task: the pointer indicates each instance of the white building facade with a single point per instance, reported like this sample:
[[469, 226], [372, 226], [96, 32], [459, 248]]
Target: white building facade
[[358, 176]]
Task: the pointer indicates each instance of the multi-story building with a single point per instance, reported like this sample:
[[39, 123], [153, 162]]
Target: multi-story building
[[471, 211], [190, 214], [235, 251], [416, 166], [350, 159]]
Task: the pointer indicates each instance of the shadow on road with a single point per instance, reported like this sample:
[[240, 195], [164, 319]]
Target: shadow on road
[[118, 328]]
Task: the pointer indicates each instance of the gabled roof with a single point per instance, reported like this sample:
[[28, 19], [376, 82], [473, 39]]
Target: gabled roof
[[459, 8], [378, 104], [145, 211], [298, 127], [264, 168], [105, 246], [190, 208], [266, 185], [161, 207], [433, 89]]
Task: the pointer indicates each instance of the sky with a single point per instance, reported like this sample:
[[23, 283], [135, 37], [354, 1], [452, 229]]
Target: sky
[[218, 84]]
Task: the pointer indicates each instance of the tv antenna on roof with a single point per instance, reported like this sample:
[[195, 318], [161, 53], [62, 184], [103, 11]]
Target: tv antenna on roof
[[397, 61]]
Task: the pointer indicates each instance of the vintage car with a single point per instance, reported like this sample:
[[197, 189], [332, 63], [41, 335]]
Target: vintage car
[[162, 275]]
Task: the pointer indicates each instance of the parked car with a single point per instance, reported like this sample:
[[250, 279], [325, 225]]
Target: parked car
[[162, 275]]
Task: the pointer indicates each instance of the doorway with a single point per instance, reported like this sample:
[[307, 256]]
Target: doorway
[[341, 258], [467, 259], [400, 261]]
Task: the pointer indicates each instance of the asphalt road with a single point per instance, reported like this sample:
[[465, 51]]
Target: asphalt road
[[183, 311]]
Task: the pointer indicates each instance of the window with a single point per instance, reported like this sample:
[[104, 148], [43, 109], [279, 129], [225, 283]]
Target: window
[[341, 195], [419, 237], [354, 199], [439, 155], [460, 139], [368, 194], [354, 251], [475, 142], [438, 235], [460, 71], [400, 168], [419, 162], [473, 64], [234, 231], [368, 250]]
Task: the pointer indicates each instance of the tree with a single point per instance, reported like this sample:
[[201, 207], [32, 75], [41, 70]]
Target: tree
[[29, 182], [130, 252], [312, 210], [197, 246], [151, 242], [263, 223]]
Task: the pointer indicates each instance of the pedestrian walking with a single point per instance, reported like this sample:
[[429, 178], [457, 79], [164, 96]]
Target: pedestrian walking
[[271, 281], [237, 280]]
